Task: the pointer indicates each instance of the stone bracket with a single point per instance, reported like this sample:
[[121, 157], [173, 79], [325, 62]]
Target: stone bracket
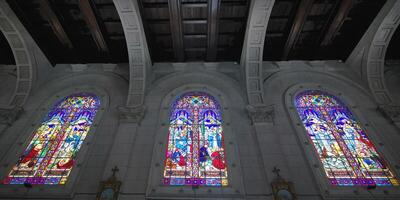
[[261, 114], [391, 112], [9, 115], [132, 115]]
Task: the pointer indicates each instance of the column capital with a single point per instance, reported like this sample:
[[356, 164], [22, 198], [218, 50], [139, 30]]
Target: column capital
[[392, 112], [261, 114], [9, 115], [131, 114]]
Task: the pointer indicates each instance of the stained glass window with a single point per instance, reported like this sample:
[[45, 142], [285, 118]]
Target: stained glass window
[[51, 153], [347, 154], [195, 153]]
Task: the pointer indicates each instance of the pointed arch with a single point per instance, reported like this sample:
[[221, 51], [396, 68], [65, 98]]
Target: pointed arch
[[50, 155], [195, 151], [348, 156]]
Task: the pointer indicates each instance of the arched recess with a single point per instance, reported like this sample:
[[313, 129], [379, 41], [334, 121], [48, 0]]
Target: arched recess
[[158, 102], [23, 58], [28, 125], [327, 189], [139, 57], [375, 62], [297, 166], [234, 187], [252, 53]]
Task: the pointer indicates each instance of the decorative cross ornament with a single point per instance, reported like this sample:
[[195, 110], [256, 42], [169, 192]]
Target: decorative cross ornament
[[282, 189], [114, 170], [276, 171], [109, 189]]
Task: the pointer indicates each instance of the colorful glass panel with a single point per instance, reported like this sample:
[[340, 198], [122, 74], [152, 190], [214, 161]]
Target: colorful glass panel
[[195, 153], [51, 154], [348, 156]]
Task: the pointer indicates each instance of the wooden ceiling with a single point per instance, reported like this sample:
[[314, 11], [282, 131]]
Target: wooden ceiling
[[74, 31], [90, 31], [317, 29], [195, 30]]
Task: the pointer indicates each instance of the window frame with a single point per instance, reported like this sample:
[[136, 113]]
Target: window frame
[[157, 189], [327, 189], [34, 121]]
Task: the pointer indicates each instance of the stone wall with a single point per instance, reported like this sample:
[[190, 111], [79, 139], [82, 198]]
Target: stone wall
[[135, 140]]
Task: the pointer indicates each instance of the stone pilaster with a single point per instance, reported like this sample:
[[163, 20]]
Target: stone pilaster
[[123, 144]]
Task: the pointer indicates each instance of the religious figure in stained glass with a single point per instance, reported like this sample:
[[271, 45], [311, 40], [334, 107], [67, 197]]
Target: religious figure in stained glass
[[51, 153], [348, 156], [195, 153]]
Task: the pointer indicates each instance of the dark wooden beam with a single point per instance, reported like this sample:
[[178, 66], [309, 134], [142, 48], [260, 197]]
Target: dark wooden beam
[[55, 23], [301, 16], [175, 20], [88, 11], [212, 37], [337, 22]]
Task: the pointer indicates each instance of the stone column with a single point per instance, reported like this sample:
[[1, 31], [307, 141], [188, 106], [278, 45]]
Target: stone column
[[262, 118]]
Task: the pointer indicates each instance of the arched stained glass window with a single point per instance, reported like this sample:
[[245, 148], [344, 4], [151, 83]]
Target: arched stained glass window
[[347, 154], [195, 153], [51, 153]]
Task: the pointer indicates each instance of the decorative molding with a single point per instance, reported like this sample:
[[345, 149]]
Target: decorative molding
[[23, 57], [391, 112], [133, 115], [252, 55], [9, 115], [376, 54], [139, 57], [261, 114]]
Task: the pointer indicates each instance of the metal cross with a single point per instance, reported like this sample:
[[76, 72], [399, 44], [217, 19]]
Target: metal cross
[[276, 171], [114, 170]]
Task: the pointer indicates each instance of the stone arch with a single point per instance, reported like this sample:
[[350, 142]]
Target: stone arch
[[139, 57], [23, 58], [375, 62], [252, 53]]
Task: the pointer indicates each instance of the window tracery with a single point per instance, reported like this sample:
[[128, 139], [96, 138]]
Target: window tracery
[[51, 153], [348, 156], [195, 152]]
